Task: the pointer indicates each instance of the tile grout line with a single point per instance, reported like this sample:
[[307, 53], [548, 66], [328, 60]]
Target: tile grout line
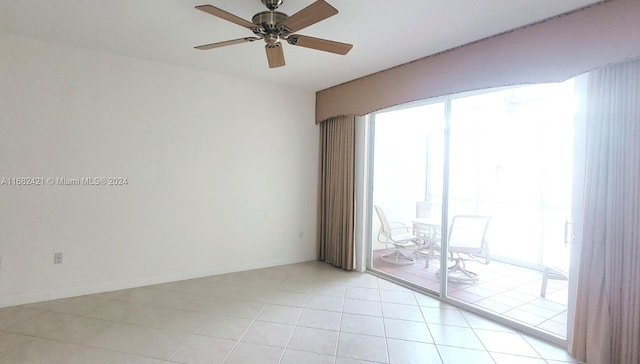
[[384, 327], [264, 305], [286, 345], [335, 351], [428, 329]]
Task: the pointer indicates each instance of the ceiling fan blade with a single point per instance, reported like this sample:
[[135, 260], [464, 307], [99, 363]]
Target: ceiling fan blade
[[226, 16], [310, 15], [275, 55], [319, 44], [226, 43]]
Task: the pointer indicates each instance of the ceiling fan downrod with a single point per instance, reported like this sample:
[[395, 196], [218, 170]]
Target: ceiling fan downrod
[[272, 4]]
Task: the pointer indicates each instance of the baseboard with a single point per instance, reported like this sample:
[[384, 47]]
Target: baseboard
[[146, 281]]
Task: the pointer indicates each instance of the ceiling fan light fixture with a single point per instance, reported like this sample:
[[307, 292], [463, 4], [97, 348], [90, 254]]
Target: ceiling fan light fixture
[[272, 40]]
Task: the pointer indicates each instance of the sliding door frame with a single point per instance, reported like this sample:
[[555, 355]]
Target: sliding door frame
[[367, 207]]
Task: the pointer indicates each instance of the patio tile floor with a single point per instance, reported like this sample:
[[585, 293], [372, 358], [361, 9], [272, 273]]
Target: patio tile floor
[[503, 289]]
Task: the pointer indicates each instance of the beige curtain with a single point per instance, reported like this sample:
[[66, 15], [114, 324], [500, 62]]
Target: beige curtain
[[336, 191], [607, 320]]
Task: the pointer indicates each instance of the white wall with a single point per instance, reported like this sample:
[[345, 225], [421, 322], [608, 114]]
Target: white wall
[[221, 174]]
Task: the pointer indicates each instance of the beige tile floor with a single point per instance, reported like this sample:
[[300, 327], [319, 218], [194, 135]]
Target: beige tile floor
[[503, 289], [301, 313]]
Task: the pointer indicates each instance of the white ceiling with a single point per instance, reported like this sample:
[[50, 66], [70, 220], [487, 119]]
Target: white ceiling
[[384, 33]]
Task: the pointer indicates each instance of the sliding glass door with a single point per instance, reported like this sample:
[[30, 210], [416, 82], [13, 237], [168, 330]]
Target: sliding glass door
[[500, 159], [407, 190], [511, 159]]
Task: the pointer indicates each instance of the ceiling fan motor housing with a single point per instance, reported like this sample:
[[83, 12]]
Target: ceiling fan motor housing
[[270, 26]]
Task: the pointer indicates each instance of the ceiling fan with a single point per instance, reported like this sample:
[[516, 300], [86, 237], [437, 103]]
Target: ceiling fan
[[273, 26]]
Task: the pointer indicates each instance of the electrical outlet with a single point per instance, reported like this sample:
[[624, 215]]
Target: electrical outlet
[[57, 258]]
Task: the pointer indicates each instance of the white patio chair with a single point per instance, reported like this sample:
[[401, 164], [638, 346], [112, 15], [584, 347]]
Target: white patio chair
[[426, 226], [467, 241], [399, 236], [551, 273]]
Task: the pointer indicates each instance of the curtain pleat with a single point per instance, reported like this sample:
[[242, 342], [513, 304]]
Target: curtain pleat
[[607, 317], [336, 191]]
